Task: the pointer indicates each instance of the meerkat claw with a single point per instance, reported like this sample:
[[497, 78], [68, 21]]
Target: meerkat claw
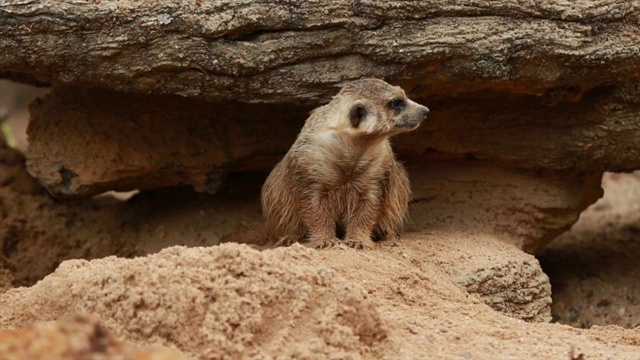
[[359, 244], [319, 244], [285, 241]]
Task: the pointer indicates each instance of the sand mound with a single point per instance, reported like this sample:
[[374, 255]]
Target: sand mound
[[73, 338], [230, 301], [227, 301]]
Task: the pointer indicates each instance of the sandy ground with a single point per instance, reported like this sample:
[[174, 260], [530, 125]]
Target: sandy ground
[[398, 301]]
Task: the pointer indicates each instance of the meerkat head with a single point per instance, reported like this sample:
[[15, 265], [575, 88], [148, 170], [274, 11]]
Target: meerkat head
[[373, 107]]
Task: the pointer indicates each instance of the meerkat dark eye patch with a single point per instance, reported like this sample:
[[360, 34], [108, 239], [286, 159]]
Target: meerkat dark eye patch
[[397, 104], [357, 114]]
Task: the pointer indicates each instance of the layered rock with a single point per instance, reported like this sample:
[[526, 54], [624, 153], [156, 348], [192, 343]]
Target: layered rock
[[84, 142], [297, 51], [143, 141]]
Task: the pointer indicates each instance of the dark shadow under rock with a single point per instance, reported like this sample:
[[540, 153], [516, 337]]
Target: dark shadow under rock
[[594, 268]]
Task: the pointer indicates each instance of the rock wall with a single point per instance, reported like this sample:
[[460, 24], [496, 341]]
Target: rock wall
[[297, 51], [519, 207], [143, 141]]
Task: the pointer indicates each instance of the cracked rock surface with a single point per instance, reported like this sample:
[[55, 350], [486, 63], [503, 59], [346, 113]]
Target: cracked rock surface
[[297, 51]]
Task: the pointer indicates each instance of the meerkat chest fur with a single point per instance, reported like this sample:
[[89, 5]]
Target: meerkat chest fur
[[343, 170], [348, 167]]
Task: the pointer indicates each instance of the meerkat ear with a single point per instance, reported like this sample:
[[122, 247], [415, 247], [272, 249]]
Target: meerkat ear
[[357, 114]]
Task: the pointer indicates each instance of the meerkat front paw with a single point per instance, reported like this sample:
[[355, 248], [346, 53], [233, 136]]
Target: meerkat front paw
[[360, 243], [323, 243]]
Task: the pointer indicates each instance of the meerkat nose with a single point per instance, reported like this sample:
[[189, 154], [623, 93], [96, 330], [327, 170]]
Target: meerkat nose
[[425, 111]]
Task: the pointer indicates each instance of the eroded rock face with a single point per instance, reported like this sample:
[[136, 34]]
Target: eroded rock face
[[595, 133], [530, 182], [522, 208], [297, 51], [84, 142]]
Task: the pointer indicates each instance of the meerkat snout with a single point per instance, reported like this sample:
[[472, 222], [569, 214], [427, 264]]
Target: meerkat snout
[[425, 111], [340, 181], [410, 114]]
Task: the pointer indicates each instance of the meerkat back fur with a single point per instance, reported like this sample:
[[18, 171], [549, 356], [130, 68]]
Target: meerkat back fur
[[340, 181]]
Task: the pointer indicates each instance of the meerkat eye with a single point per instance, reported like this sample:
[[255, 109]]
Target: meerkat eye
[[358, 114], [397, 104]]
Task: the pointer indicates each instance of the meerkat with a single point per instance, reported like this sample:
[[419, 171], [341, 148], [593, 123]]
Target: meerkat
[[340, 182]]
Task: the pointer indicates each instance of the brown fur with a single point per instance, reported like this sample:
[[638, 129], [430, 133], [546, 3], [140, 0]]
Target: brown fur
[[340, 178]]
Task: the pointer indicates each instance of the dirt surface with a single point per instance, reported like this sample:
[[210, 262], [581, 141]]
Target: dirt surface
[[393, 302], [79, 337]]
